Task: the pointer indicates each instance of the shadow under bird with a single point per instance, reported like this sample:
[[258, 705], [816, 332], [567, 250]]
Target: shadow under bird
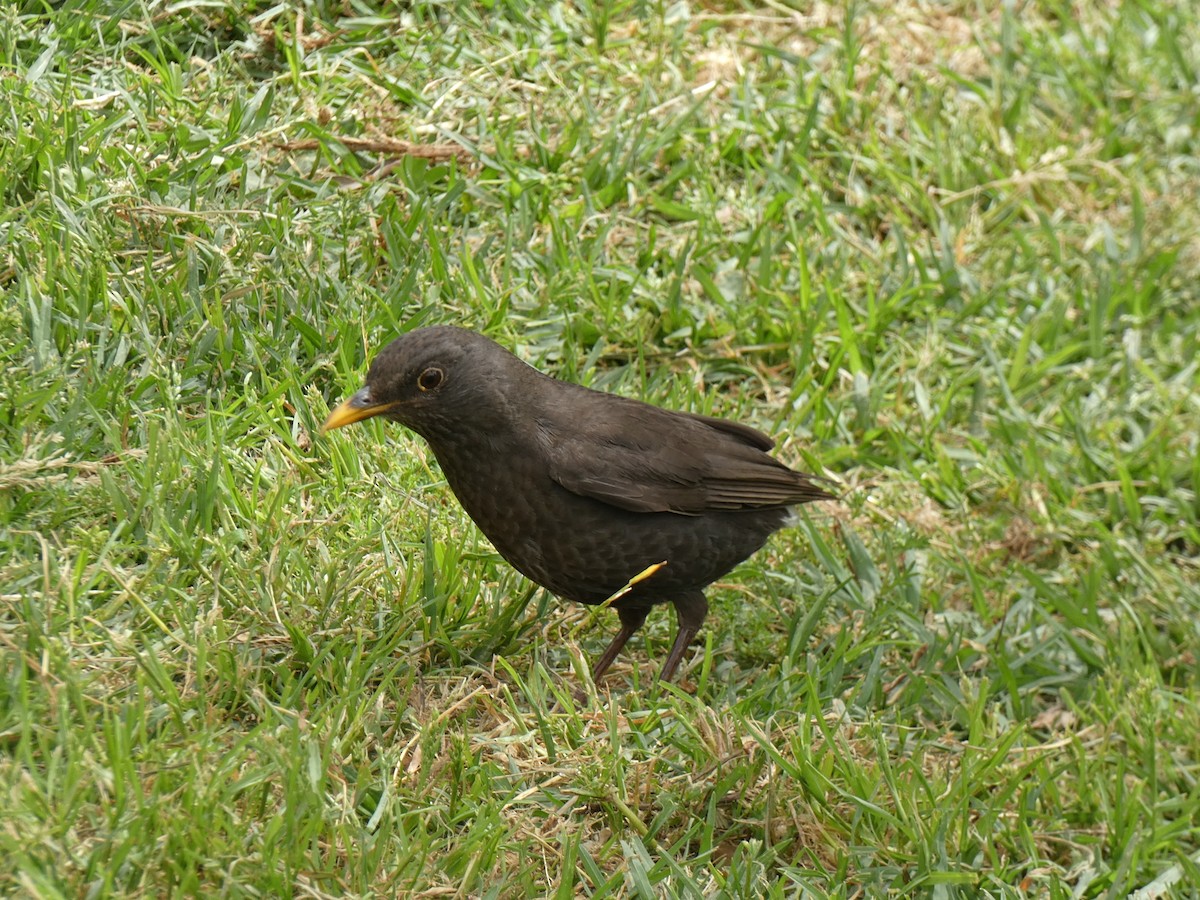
[[583, 491]]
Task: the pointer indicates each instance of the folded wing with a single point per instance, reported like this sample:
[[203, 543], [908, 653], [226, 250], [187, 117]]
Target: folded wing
[[619, 453]]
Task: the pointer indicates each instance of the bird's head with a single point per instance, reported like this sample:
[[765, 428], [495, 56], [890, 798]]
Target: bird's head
[[434, 379]]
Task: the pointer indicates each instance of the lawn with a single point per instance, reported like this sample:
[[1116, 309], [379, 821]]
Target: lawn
[[946, 253]]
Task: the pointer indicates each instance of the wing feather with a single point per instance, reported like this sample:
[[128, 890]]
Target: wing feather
[[646, 459]]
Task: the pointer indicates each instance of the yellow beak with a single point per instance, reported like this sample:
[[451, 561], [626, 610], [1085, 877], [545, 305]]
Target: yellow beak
[[355, 409]]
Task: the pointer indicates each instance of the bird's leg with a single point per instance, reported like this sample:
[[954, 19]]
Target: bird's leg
[[690, 610], [631, 621]]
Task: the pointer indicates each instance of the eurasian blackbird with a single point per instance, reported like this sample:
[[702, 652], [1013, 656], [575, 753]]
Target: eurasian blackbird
[[579, 490]]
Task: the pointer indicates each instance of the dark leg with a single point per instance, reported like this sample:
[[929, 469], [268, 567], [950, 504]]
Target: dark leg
[[690, 609], [631, 621]]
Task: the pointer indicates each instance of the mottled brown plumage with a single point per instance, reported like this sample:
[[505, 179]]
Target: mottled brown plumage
[[581, 490]]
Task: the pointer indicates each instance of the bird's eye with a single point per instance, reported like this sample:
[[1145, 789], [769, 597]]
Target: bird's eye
[[430, 378]]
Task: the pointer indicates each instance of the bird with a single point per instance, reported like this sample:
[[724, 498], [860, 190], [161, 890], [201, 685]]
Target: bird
[[586, 493]]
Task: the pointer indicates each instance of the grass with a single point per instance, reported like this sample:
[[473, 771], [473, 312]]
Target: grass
[[947, 253]]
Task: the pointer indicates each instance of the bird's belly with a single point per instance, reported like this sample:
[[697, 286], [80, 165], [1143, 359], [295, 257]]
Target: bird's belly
[[586, 550]]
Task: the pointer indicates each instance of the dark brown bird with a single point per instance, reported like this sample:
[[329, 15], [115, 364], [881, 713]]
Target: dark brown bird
[[579, 490]]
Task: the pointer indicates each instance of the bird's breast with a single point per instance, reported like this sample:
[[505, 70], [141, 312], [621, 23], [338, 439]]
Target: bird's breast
[[584, 549]]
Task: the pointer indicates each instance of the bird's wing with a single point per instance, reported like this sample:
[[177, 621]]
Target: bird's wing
[[642, 458]]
